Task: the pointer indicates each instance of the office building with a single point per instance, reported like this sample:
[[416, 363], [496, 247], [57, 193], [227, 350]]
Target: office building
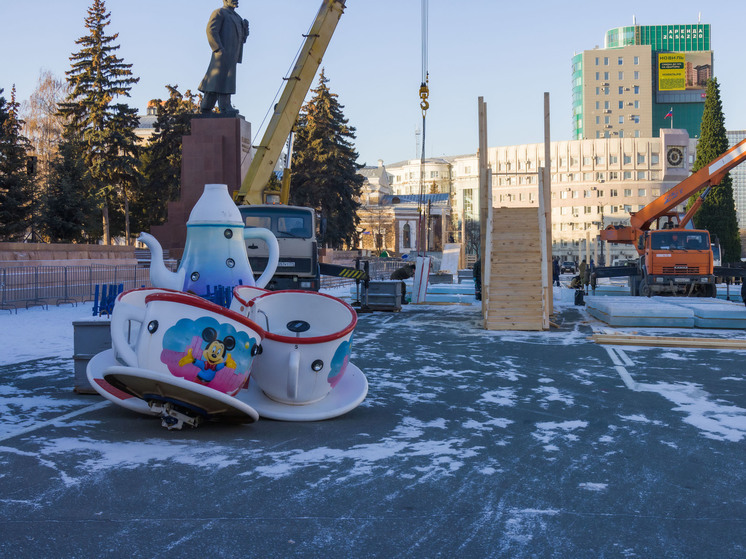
[[738, 176], [646, 78]]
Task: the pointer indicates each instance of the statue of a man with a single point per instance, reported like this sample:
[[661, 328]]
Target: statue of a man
[[226, 33]]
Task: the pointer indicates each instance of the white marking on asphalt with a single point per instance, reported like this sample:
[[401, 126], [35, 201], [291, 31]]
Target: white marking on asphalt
[[621, 361], [55, 421]]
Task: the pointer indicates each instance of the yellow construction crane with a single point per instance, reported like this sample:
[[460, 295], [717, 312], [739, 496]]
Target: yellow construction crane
[[287, 109]]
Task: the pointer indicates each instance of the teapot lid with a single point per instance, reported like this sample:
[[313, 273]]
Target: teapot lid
[[215, 207]]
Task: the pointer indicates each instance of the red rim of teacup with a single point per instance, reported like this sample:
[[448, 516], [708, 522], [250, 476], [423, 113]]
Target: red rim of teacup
[[314, 339], [199, 302]]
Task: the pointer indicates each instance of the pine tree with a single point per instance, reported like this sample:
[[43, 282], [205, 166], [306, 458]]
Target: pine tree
[[718, 212], [96, 78], [325, 168], [160, 161], [16, 185], [68, 214]]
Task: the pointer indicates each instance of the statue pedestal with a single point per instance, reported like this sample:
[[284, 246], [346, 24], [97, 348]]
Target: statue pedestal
[[218, 151]]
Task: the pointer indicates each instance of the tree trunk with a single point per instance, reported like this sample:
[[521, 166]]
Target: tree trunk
[[105, 221], [127, 219]]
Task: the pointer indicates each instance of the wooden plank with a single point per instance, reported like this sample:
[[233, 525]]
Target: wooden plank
[[524, 326], [668, 341]]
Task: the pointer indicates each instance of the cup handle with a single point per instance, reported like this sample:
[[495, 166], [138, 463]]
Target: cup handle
[[274, 251], [119, 317], [293, 367]]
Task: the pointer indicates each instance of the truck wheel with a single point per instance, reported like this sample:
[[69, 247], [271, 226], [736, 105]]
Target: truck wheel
[[645, 288]]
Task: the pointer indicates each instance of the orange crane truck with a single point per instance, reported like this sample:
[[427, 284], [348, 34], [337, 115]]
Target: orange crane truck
[[675, 260]]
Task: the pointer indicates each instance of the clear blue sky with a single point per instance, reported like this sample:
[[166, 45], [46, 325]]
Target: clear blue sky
[[508, 52]]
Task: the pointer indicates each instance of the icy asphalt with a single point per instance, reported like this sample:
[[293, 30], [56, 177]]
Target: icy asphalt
[[469, 444]]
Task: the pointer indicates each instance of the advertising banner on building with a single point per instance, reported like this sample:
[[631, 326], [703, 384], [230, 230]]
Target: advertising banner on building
[[678, 71]]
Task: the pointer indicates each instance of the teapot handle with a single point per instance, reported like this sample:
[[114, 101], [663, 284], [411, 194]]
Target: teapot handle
[[274, 251]]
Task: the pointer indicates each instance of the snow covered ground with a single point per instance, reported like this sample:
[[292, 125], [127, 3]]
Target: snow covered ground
[[470, 443]]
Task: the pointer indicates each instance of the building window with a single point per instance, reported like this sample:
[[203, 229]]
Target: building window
[[606, 60], [640, 175], [620, 61], [628, 192], [621, 90], [613, 193], [621, 75], [587, 160], [654, 159], [613, 176], [636, 60], [637, 104], [598, 76], [606, 119], [613, 159], [637, 89], [640, 158], [586, 194], [433, 174], [597, 61], [467, 170], [600, 160], [627, 175], [637, 75], [606, 105], [599, 193], [627, 159], [587, 176], [600, 177], [606, 76], [406, 234], [621, 119], [641, 192]]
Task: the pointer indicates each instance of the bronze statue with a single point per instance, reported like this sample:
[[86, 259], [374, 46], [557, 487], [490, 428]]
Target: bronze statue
[[226, 33]]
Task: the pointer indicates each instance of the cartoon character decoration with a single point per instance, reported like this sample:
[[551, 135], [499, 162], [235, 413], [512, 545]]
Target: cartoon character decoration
[[214, 357], [339, 362], [210, 353]]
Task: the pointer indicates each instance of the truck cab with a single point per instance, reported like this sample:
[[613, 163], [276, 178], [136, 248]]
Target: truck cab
[[676, 261], [295, 229]]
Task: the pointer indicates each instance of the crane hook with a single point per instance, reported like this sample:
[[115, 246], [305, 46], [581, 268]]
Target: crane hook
[[424, 93]]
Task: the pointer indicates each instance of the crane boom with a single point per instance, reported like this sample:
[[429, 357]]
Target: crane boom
[[287, 109], [708, 175]]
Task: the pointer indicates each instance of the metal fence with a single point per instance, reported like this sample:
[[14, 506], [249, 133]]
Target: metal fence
[[22, 286], [27, 286]]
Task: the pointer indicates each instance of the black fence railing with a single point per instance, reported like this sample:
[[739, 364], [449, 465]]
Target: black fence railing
[[22, 286]]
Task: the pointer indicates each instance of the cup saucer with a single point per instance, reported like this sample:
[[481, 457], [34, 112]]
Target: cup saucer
[[152, 385], [344, 397], [95, 373]]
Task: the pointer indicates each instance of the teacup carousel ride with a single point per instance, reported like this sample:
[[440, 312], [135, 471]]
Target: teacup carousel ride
[[282, 355]]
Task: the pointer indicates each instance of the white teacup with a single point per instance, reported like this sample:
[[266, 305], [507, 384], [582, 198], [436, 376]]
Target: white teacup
[[188, 337], [243, 295], [306, 347]]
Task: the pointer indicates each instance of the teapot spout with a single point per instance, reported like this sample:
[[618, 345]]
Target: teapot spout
[[160, 276]]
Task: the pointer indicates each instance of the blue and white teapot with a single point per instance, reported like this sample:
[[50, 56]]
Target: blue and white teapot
[[215, 251]]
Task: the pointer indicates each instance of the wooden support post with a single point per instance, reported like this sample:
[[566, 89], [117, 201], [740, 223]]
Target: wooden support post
[[485, 197], [546, 196]]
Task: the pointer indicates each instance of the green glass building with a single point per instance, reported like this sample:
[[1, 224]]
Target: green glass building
[[646, 77]]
